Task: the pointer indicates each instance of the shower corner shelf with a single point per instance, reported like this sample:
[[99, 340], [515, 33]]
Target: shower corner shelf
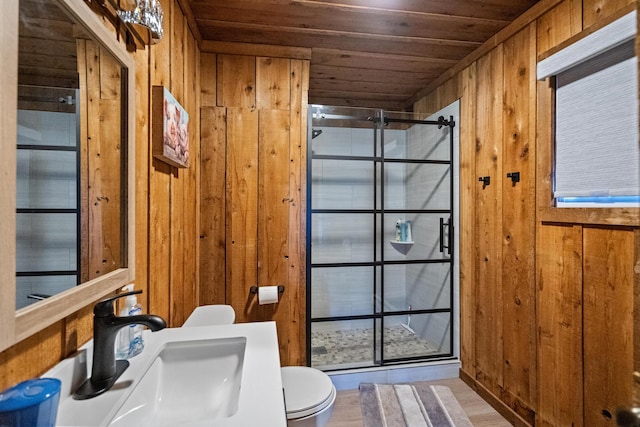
[[397, 242]]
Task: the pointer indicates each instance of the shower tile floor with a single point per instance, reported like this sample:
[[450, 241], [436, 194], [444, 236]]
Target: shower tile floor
[[354, 347]]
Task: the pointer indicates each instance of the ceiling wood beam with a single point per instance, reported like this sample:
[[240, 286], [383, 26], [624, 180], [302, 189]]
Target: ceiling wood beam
[[258, 33], [353, 59], [364, 87], [255, 49], [371, 75], [488, 9], [355, 95], [364, 103], [354, 20]]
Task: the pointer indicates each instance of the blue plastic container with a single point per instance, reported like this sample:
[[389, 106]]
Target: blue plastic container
[[30, 403]]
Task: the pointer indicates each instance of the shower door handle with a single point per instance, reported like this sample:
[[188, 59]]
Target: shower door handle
[[449, 235]]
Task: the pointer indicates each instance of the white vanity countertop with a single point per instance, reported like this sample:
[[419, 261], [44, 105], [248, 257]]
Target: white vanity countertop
[[261, 400]]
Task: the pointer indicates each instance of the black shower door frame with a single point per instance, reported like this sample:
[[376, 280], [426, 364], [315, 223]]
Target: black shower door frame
[[378, 124]]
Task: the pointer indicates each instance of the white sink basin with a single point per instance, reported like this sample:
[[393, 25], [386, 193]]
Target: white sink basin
[[226, 375], [188, 381]]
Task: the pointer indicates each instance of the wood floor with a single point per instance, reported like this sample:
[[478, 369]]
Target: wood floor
[[346, 412]]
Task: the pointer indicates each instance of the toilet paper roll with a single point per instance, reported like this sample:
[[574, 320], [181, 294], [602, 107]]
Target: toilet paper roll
[[267, 295]]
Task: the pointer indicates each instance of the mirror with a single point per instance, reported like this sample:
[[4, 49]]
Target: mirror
[[74, 155], [70, 185]]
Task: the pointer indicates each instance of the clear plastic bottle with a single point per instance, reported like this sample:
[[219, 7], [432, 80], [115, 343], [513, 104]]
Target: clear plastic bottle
[[136, 344], [129, 342]]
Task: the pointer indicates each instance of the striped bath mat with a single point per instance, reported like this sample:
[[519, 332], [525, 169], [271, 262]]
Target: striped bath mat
[[405, 405]]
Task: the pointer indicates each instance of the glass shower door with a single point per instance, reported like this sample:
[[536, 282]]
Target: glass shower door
[[379, 265]]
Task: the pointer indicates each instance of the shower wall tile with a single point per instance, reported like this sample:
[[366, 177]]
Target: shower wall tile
[[47, 285], [46, 128], [46, 179], [342, 291], [435, 328], [332, 141], [362, 142], [342, 238], [395, 144], [429, 286]]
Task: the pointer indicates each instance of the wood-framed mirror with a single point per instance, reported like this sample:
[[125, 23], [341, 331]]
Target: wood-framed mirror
[[68, 176]]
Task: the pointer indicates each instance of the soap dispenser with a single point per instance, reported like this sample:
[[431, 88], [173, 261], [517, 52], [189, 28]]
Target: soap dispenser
[[129, 342]]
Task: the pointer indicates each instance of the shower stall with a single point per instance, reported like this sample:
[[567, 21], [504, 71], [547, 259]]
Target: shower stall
[[380, 255]]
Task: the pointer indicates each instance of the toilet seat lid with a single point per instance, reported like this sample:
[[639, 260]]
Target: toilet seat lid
[[306, 390]]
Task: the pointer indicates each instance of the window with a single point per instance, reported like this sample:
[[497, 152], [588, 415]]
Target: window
[[597, 150]]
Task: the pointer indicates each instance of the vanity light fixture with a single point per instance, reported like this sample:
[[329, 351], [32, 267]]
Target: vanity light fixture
[[148, 14]]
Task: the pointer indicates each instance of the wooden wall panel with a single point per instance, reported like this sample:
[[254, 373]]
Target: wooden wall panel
[[596, 10], [213, 199], [236, 81], [191, 176], [208, 77], [543, 369], [273, 83], [636, 320], [518, 222], [468, 186], [100, 151], [609, 258], [177, 179], [28, 358], [264, 144], [273, 219], [559, 320], [559, 24], [488, 278], [83, 152], [241, 209], [143, 152], [159, 187], [297, 212]]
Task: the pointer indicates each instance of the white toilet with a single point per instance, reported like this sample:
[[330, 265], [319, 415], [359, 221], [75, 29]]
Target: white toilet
[[207, 315], [309, 396]]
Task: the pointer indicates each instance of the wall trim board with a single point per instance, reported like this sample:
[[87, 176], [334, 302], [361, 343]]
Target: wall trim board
[[254, 49], [636, 318], [589, 31], [518, 24], [8, 118], [191, 21], [494, 401]]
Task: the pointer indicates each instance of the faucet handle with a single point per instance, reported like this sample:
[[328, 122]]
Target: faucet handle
[[104, 308]]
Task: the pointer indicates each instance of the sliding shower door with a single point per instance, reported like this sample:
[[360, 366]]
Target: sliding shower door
[[379, 261]]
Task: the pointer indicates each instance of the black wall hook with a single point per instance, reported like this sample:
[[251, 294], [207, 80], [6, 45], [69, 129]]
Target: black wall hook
[[515, 177], [485, 180]]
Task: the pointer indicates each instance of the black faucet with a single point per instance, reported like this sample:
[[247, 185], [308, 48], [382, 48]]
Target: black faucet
[[106, 369]]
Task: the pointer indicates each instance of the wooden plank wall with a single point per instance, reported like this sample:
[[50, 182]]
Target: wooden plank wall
[[167, 209], [253, 175], [539, 337]]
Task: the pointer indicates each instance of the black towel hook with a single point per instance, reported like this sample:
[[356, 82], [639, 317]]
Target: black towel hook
[[485, 180]]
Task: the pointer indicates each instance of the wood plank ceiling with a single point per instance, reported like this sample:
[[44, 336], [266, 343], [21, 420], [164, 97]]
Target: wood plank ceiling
[[365, 53]]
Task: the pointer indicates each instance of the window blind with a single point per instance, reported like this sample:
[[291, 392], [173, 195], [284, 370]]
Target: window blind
[[597, 148]]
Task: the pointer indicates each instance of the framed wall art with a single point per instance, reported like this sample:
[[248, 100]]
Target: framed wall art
[[170, 129]]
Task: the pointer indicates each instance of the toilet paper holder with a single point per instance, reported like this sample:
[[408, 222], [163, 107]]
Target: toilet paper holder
[[254, 289]]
